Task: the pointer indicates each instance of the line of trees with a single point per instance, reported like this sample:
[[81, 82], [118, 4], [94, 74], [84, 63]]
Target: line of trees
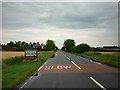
[[22, 45], [69, 46]]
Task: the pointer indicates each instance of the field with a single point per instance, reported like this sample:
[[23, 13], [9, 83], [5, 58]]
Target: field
[[9, 54], [14, 72], [107, 52], [108, 58]]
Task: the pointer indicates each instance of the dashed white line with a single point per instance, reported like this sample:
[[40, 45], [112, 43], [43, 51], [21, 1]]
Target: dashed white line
[[65, 56], [97, 83], [68, 58], [73, 63], [76, 65]]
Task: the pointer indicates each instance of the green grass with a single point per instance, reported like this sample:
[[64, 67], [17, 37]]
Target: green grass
[[15, 73], [111, 59], [11, 61]]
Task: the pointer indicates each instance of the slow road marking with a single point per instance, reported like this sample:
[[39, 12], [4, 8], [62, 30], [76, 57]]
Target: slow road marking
[[76, 65], [97, 83], [57, 67]]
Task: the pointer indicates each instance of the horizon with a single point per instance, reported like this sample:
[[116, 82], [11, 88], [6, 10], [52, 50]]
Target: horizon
[[56, 45]]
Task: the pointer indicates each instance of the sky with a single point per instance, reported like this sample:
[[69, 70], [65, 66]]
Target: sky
[[94, 23]]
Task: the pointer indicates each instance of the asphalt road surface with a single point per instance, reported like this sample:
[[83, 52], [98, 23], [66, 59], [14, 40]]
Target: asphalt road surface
[[70, 71]]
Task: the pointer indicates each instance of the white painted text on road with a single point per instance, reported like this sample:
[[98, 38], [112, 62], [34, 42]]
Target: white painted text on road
[[57, 67]]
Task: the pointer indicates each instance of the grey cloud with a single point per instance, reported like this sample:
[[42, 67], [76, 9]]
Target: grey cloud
[[62, 15], [88, 17], [85, 18]]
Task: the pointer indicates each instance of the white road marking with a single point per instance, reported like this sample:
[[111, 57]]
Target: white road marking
[[48, 67], [32, 76], [56, 54], [65, 56], [67, 67], [52, 67], [97, 83], [23, 85], [95, 62], [57, 67], [41, 66], [26, 82], [68, 58], [76, 65]]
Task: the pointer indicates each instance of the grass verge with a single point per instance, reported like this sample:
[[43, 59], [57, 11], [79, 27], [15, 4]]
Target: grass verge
[[15, 72], [111, 59]]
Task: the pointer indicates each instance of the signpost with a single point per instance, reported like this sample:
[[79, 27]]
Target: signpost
[[31, 55]]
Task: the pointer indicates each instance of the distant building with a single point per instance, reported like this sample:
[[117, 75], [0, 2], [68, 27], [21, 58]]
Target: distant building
[[37, 45], [105, 48], [42, 46], [111, 47]]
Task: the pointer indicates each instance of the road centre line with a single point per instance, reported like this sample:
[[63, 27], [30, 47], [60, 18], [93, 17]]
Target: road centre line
[[65, 56], [97, 83], [68, 58], [76, 65]]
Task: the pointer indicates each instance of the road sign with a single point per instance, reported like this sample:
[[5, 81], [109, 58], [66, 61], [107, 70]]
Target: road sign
[[31, 53]]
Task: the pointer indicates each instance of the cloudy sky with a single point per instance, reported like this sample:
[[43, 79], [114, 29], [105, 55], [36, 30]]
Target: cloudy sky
[[94, 23]]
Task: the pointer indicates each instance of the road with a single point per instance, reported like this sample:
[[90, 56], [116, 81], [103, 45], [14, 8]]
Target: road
[[70, 71]]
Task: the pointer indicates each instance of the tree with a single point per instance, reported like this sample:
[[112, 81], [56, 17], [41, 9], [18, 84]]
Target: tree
[[68, 44], [50, 45], [18, 45], [81, 48], [56, 48], [11, 43], [30, 45], [63, 48], [73, 49]]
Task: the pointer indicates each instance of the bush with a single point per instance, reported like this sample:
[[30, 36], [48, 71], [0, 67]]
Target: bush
[[32, 58], [52, 56], [97, 53], [73, 49], [81, 48]]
